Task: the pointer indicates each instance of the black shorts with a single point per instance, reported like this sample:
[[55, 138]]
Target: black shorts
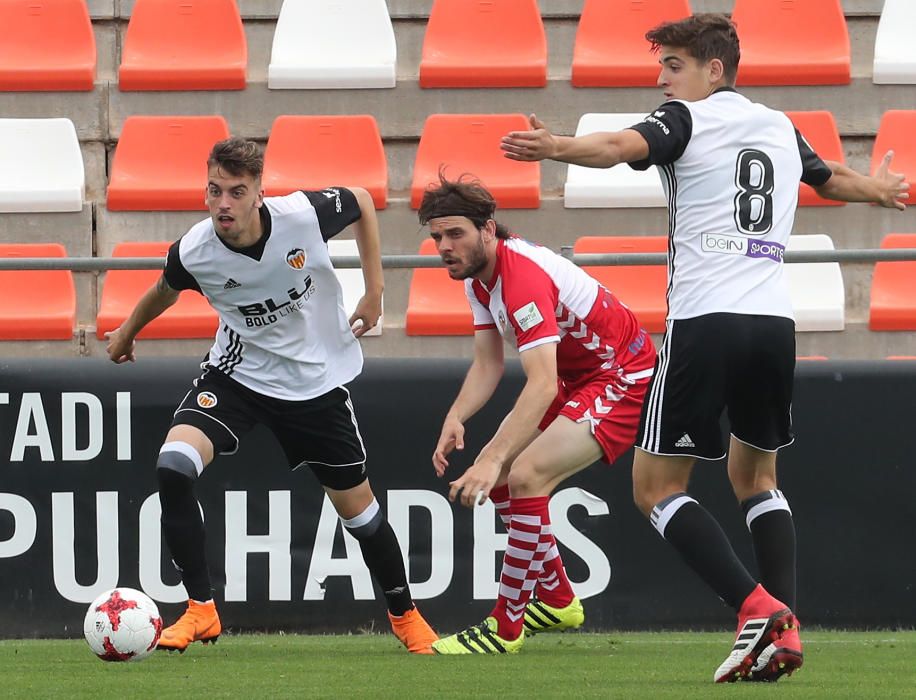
[[320, 432], [742, 363]]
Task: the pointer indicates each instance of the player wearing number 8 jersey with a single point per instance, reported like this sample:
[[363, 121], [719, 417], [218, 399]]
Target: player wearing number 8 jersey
[[730, 169]]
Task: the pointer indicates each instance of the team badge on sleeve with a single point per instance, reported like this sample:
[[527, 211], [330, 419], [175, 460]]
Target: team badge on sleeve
[[528, 316], [206, 399], [296, 258]]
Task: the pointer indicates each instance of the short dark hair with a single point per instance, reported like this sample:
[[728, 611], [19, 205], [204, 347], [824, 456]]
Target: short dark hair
[[465, 196], [237, 156], [705, 36]]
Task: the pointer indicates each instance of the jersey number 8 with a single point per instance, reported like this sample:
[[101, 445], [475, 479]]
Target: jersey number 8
[[754, 201]]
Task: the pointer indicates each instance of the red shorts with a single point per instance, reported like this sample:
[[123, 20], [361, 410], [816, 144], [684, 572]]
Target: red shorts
[[610, 402]]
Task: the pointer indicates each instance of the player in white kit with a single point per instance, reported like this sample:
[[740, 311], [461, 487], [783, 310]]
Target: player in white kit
[[730, 169], [283, 354]]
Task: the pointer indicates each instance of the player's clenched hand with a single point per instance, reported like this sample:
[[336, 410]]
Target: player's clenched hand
[[473, 487], [368, 311], [894, 188], [451, 438], [120, 346], [536, 144]]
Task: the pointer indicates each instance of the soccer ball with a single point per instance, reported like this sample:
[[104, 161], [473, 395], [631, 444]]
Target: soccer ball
[[122, 625]]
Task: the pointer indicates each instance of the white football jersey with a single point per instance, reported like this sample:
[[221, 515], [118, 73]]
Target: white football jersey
[[730, 169], [283, 330]]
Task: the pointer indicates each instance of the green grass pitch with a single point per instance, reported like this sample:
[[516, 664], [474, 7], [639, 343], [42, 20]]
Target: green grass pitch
[[618, 665]]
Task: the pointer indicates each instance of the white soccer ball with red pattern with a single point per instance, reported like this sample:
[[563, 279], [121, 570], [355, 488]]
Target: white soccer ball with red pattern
[[122, 625]]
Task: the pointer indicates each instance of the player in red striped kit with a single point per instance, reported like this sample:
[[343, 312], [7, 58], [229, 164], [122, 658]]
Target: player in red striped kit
[[587, 362]]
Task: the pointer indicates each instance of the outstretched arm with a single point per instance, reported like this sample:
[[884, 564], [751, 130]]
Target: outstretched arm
[[369, 309], [597, 150], [156, 300], [886, 188]]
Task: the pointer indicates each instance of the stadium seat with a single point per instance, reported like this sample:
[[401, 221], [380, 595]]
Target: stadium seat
[[351, 280], [792, 42], [895, 133], [819, 130], [184, 45], [643, 288], [36, 304], [46, 46], [895, 50], [311, 153], [437, 304], [190, 317], [484, 44], [611, 48], [620, 186], [333, 44], [160, 163], [893, 289], [44, 166], [469, 143], [816, 289]]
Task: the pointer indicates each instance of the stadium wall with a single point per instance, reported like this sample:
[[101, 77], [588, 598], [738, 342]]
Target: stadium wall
[[79, 513]]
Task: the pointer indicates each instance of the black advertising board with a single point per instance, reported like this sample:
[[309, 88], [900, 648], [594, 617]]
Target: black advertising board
[[79, 511]]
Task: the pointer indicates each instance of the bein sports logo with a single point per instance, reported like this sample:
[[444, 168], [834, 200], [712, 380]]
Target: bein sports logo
[[206, 399], [296, 258], [735, 245]]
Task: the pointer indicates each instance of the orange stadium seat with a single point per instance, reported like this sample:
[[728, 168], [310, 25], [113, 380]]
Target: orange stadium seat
[[311, 153], [190, 317], [469, 143], [484, 43], [36, 304], [46, 46], [895, 133], [643, 288], [160, 163], [792, 42], [893, 289], [819, 130], [437, 304], [184, 45], [611, 48]]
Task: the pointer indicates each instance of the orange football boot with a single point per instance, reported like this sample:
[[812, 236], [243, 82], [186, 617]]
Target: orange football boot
[[200, 623], [413, 631]]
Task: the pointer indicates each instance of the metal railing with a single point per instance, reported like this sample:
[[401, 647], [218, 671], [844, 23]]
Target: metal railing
[[867, 255]]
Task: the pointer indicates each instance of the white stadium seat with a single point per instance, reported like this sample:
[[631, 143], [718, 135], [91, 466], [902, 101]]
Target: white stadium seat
[[818, 295], [44, 166], [351, 279], [333, 44], [620, 186], [895, 50]]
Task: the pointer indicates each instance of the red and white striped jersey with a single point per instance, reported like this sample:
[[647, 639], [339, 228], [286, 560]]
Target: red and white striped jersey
[[537, 297]]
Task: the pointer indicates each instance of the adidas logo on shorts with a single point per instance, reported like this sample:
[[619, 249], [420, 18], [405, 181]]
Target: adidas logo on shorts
[[684, 441], [231, 284]]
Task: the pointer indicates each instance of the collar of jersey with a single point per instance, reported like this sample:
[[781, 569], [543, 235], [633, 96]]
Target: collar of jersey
[[256, 249], [500, 244]]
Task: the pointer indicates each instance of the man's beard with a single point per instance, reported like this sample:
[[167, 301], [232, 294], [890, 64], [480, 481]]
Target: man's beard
[[477, 262]]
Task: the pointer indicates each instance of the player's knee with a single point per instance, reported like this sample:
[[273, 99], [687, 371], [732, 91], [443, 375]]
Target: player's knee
[[525, 479], [178, 466], [643, 499], [366, 523]]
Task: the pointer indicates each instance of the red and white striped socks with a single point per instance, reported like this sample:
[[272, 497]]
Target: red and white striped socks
[[553, 586], [529, 542]]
